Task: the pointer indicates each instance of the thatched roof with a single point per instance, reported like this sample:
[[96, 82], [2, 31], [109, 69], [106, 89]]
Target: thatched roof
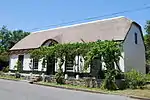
[[108, 29]]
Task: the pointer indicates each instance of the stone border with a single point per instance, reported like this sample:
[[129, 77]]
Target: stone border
[[84, 90]]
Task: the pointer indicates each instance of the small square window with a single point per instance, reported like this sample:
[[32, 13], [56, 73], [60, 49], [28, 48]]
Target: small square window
[[135, 38]]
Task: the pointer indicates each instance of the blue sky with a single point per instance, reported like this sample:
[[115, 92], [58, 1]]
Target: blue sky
[[30, 14]]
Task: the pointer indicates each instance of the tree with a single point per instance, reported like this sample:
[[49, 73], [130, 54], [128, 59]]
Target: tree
[[10, 38], [5, 37], [147, 43], [147, 46], [16, 36], [7, 40], [18, 67], [147, 27]]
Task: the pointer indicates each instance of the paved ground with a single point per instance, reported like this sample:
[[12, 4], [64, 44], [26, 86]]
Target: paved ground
[[10, 90]]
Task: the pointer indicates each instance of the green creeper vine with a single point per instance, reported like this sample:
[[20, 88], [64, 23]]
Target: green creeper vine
[[109, 51]]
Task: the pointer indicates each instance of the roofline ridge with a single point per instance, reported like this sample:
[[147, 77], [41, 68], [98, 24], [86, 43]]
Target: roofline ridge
[[73, 25]]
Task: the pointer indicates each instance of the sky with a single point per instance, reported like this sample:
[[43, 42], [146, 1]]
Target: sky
[[35, 15]]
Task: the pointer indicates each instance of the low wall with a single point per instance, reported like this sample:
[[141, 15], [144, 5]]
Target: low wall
[[86, 82], [91, 82]]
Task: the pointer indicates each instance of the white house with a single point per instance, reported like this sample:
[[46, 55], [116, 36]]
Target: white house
[[119, 29]]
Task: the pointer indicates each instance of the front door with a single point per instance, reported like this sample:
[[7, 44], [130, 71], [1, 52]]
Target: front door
[[21, 58], [50, 66]]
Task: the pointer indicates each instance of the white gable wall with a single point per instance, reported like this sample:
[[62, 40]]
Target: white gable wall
[[134, 54]]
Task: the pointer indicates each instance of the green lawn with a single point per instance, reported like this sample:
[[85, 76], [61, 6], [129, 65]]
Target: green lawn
[[128, 92], [136, 92], [10, 78]]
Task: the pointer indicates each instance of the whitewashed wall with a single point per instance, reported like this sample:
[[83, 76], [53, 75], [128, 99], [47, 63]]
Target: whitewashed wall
[[40, 65], [13, 61], [121, 62], [79, 65], [57, 65], [134, 54], [26, 62]]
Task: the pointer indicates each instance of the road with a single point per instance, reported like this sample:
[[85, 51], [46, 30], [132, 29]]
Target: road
[[11, 90]]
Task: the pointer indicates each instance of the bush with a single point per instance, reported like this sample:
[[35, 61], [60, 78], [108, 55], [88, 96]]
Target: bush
[[110, 81], [5, 69], [60, 77], [18, 66], [17, 75], [39, 78], [148, 78], [135, 79]]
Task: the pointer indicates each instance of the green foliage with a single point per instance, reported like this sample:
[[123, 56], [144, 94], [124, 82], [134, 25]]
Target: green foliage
[[147, 27], [108, 50], [148, 77], [135, 79], [4, 57], [5, 37], [18, 66], [44, 63], [147, 45], [10, 38], [61, 50], [5, 69], [60, 76], [16, 36], [110, 80]]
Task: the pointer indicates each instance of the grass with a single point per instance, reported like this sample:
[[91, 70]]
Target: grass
[[145, 93], [136, 92], [128, 92], [9, 77]]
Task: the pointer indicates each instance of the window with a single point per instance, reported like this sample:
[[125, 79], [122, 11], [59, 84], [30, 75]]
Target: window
[[35, 63], [135, 38], [20, 58], [69, 65]]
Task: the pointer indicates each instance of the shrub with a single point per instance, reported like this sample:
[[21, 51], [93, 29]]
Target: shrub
[[110, 81], [17, 75], [135, 79], [5, 69], [148, 78], [60, 77], [18, 66]]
